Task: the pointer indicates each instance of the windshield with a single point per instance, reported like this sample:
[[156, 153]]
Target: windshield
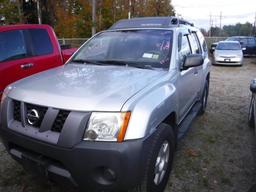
[[228, 46], [137, 48]]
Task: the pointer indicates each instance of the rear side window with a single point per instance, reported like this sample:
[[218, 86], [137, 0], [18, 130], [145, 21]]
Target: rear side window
[[244, 41], [251, 41], [202, 41], [194, 44], [12, 45], [41, 42]]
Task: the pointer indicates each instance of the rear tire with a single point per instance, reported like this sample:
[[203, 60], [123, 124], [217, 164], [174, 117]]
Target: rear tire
[[251, 118], [159, 161], [204, 98]]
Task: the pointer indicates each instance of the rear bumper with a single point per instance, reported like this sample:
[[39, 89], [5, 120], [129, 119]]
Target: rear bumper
[[90, 165]]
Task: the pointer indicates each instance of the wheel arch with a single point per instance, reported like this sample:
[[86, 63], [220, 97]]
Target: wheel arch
[[208, 77], [151, 110], [171, 119]]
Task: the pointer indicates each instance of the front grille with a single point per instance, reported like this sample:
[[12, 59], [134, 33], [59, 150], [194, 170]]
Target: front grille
[[60, 120], [41, 111], [228, 57], [228, 62], [16, 110], [35, 114]]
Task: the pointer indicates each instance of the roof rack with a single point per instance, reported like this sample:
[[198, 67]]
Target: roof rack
[[150, 22], [178, 21]]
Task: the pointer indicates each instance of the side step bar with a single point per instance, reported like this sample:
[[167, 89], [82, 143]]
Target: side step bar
[[186, 123]]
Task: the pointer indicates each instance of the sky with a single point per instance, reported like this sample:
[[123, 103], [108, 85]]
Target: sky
[[232, 11]]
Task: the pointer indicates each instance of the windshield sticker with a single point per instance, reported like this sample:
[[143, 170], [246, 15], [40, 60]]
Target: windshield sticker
[[147, 55], [155, 56]]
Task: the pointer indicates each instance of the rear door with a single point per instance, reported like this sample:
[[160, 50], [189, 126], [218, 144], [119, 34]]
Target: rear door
[[198, 71], [44, 54], [251, 45], [187, 82], [14, 55]]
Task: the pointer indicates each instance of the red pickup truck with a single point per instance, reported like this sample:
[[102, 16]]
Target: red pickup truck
[[28, 49]]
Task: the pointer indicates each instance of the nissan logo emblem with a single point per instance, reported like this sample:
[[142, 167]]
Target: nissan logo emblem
[[33, 117]]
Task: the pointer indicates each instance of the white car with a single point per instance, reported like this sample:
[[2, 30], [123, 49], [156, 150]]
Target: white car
[[228, 53]]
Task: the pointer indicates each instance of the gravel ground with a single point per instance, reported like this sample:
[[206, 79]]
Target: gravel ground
[[217, 152], [215, 155]]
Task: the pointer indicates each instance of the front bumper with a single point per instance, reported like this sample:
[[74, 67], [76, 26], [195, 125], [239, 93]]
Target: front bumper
[[228, 61], [90, 165], [93, 166]]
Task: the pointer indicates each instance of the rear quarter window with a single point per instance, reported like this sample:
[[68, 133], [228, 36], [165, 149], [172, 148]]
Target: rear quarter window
[[41, 43]]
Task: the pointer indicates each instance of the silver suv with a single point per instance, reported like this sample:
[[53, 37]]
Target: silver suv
[[109, 119]]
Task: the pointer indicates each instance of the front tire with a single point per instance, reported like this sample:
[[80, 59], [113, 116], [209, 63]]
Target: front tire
[[159, 161]]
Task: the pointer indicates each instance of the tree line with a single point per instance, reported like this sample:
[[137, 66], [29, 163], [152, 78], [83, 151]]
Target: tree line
[[238, 29], [73, 18]]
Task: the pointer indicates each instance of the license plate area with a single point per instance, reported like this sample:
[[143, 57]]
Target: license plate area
[[35, 165], [227, 60]]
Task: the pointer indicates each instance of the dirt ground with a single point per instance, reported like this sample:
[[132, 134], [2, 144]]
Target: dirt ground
[[217, 154]]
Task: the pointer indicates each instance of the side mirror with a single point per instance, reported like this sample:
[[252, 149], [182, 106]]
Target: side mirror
[[253, 86], [244, 48], [193, 60]]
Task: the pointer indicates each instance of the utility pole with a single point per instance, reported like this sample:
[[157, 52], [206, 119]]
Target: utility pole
[[39, 15], [254, 25], [93, 17], [210, 29], [220, 22], [130, 7], [19, 10]]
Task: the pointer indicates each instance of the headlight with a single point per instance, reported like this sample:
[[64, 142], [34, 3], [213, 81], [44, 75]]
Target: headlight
[[5, 93], [107, 126]]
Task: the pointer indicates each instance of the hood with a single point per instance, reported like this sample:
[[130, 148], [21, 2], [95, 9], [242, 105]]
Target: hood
[[84, 87], [228, 53]]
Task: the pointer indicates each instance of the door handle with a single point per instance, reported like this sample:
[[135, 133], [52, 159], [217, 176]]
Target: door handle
[[26, 66], [196, 72]]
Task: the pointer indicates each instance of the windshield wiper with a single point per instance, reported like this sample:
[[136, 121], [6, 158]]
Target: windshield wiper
[[84, 61], [113, 62], [127, 63], [142, 66]]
